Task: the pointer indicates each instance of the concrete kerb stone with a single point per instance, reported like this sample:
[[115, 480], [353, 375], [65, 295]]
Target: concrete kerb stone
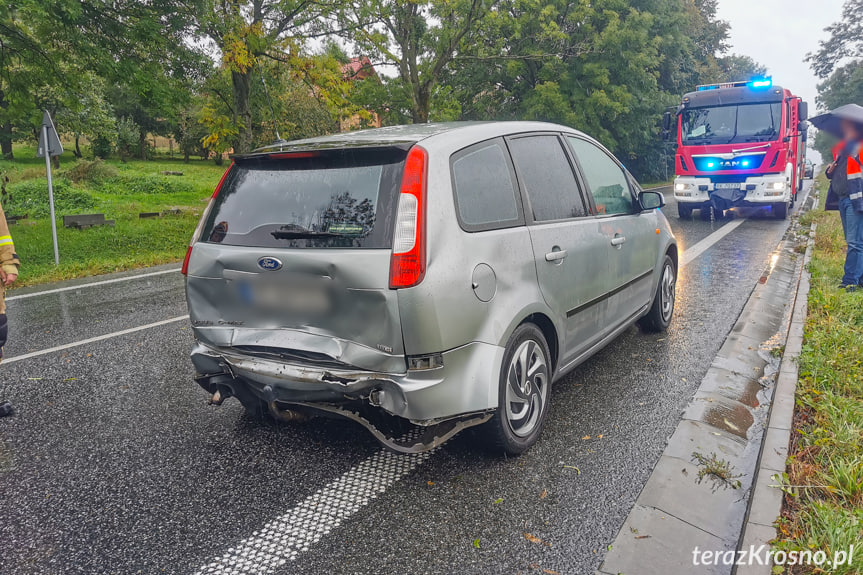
[[765, 505]]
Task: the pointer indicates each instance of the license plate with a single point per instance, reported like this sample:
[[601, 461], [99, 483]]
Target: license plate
[[307, 298], [727, 186]]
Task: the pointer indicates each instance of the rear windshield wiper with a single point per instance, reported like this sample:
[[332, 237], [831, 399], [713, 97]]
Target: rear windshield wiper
[[298, 235], [296, 232]]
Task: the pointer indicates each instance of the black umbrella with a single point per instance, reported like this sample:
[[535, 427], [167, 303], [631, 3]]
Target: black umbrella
[[831, 121]]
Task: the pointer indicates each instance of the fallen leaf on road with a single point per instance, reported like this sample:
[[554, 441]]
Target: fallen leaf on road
[[550, 572], [535, 539], [476, 543], [544, 494], [642, 536], [498, 500], [585, 437], [430, 483], [572, 467], [599, 436]]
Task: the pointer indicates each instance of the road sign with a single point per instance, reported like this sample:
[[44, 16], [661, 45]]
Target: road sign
[[49, 145], [48, 135]]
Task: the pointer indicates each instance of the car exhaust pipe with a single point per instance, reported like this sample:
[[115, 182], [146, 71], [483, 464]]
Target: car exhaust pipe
[[286, 415]]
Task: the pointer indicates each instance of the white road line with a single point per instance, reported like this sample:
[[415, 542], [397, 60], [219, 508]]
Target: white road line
[[285, 537], [24, 356], [690, 254], [92, 284]]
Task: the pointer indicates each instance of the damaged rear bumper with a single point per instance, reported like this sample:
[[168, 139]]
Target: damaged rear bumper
[[467, 383]]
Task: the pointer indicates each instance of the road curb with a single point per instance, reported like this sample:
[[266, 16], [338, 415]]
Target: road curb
[[765, 504], [689, 502]]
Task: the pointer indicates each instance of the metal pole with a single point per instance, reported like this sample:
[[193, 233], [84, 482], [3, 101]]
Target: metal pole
[[51, 194]]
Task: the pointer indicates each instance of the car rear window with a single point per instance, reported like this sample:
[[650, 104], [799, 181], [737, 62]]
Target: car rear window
[[331, 199]]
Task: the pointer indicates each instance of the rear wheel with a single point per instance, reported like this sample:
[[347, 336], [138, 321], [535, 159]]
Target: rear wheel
[[684, 211], [659, 317], [523, 392], [780, 211]]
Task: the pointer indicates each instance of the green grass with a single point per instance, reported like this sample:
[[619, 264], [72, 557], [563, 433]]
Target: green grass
[[824, 505], [119, 190]]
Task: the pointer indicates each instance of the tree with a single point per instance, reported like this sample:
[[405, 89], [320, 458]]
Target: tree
[[845, 41], [735, 68], [50, 50], [419, 37], [247, 31], [90, 115], [845, 85]]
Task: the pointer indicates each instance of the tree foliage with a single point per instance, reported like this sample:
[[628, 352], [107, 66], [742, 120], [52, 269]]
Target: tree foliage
[[195, 69], [839, 62]]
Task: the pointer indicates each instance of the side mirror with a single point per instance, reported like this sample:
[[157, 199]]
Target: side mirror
[[666, 121], [666, 126], [803, 111], [651, 201]]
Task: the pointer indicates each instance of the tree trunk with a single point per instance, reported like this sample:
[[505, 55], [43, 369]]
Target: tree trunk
[[5, 132], [242, 83], [77, 151], [142, 145], [6, 141], [420, 112]]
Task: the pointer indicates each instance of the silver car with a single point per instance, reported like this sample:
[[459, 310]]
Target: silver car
[[423, 279]]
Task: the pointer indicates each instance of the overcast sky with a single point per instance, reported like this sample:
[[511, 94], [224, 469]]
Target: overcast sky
[[779, 34]]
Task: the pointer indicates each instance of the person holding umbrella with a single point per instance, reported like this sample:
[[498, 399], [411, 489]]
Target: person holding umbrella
[[846, 184]]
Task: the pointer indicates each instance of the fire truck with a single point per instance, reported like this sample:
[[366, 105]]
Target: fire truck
[[738, 144]]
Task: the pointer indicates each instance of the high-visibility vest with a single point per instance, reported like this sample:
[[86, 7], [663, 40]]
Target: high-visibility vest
[[855, 172]]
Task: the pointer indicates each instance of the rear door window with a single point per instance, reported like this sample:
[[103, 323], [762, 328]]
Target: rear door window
[[545, 174], [484, 187], [607, 180], [334, 199]]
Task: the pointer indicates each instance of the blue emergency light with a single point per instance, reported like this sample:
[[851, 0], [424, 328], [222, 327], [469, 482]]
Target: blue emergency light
[[762, 83]]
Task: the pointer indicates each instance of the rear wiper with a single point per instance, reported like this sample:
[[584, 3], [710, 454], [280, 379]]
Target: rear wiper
[[297, 234]]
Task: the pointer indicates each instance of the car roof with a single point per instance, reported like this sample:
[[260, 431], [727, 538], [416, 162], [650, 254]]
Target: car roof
[[407, 135]]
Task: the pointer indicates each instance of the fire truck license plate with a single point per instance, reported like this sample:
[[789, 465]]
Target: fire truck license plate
[[727, 186]]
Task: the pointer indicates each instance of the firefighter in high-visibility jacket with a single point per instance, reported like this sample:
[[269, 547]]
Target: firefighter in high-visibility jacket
[[8, 274], [847, 185]]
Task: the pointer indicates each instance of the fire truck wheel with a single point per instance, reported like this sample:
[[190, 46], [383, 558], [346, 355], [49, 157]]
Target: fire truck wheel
[[685, 212], [705, 213], [780, 211]]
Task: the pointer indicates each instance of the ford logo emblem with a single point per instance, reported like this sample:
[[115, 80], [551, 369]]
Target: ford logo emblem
[[270, 264]]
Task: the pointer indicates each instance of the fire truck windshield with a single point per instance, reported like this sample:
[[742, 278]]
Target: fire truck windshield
[[731, 124]]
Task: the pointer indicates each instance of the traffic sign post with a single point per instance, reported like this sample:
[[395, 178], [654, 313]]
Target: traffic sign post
[[49, 145]]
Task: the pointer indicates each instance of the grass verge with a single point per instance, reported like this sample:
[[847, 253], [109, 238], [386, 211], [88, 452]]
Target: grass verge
[[119, 190], [824, 480]]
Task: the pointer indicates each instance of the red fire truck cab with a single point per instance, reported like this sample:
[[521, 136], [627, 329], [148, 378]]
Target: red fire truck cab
[[739, 144]]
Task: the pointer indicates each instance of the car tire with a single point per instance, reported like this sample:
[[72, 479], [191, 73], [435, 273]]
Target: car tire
[[522, 398], [684, 212], [661, 312], [780, 211]]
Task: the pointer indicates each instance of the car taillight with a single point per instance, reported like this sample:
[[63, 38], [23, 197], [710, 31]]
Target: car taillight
[[196, 235], [408, 262]]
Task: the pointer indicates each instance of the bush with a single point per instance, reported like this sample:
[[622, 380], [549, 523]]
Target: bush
[[31, 198], [95, 172], [102, 147], [158, 185]]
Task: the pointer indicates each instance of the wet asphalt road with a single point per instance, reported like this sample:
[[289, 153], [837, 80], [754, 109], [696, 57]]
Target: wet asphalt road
[[116, 464]]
